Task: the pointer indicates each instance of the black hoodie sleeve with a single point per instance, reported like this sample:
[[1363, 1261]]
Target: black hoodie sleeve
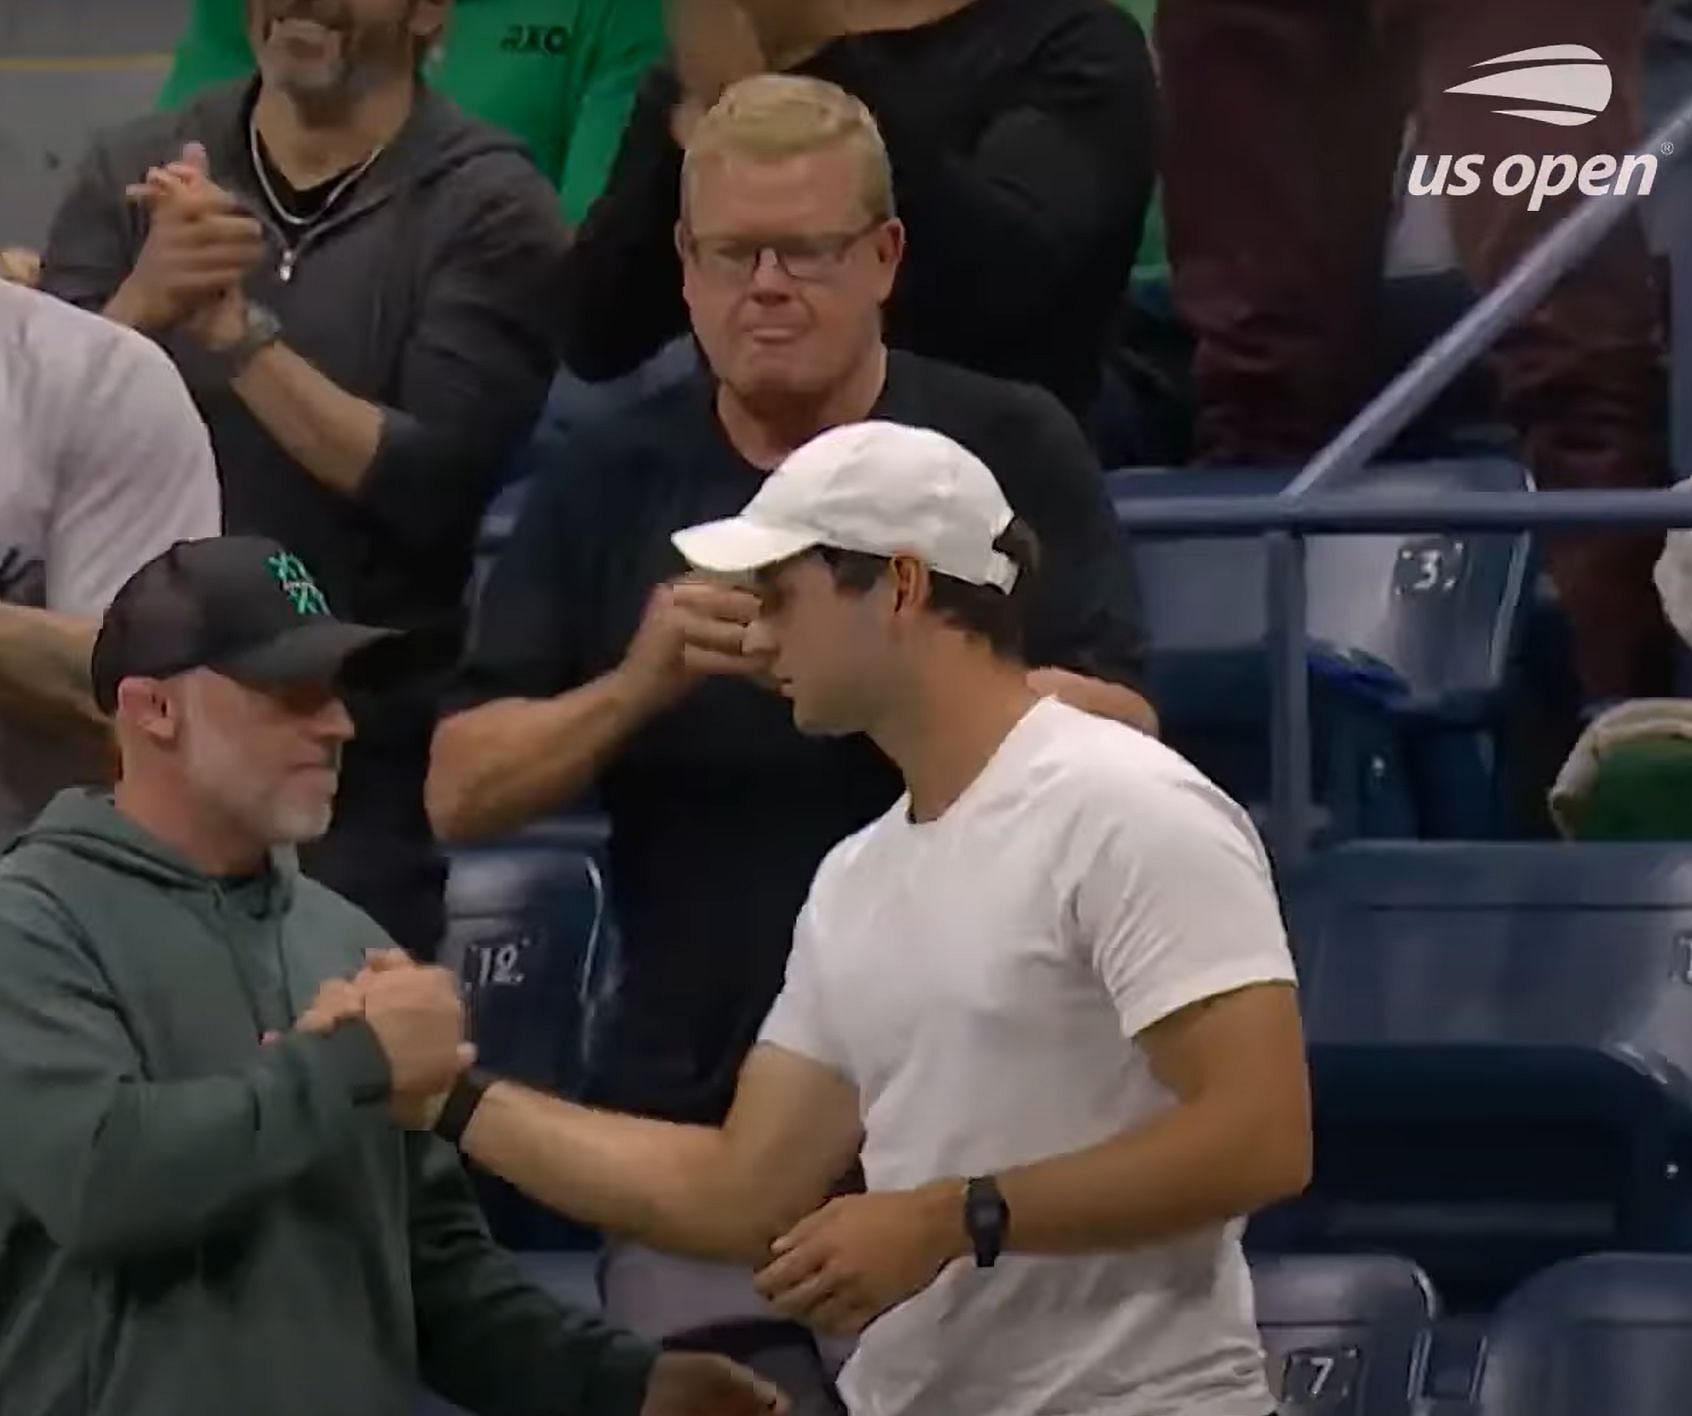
[[114, 1165], [622, 299], [476, 367], [488, 1339], [1067, 162]]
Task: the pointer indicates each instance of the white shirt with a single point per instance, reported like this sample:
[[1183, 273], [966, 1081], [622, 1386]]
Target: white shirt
[[104, 462], [980, 979]]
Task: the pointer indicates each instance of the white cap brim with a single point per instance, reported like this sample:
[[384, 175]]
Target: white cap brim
[[736, 546]]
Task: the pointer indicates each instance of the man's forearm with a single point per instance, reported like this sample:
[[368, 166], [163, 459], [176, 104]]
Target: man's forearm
[[126, 307], [497, 767], [330, 433], [656, 1181], [44, 671], [1189, 1168]]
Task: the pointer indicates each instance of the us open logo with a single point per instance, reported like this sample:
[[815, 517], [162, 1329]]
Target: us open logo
[[1568, 84], [1563, 85]]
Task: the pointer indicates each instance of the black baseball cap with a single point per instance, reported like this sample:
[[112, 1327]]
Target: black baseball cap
[[243, 606]]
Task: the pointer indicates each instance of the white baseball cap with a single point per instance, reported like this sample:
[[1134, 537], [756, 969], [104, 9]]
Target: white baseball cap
[[879, 488]]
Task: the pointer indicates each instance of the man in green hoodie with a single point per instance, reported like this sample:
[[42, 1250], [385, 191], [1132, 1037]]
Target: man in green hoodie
[[559, 74], [205, 1206]]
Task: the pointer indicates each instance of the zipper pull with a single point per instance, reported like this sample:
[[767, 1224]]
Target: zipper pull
[[286, 269]]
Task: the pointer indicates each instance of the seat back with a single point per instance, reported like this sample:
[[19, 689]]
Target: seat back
[[1436, 610], [528, 924], [527, 921], [1605, 1335], [1344, 1335], [1421, 627], [1501, 1049]]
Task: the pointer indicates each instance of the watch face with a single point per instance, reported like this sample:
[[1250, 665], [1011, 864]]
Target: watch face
[[262, 325]]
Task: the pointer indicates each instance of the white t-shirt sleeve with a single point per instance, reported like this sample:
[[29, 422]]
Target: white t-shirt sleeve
[[1177, 905], [135, 475], [799, 1020]]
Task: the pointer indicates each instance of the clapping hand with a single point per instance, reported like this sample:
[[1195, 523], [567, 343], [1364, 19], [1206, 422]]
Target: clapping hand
[[201, 245]]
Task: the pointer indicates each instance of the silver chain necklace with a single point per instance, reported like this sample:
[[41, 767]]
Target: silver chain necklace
[[300, 223]]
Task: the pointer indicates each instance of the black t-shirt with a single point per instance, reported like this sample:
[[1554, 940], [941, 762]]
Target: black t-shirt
[[302, 203], [721, 810]]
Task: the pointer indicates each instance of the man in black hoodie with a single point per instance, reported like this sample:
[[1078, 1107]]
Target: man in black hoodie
[[358, 283], [205, 1208]]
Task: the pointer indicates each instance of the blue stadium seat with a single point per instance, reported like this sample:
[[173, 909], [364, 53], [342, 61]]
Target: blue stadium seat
[[1411, 645], [1344, 1335], [527, 921], [1500, 1040], [1606, 1335], [528, 929]]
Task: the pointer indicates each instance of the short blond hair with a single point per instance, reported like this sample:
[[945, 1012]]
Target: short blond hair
[[774, 116]]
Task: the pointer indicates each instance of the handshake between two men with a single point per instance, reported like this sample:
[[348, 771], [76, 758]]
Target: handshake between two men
[[417, 1016]]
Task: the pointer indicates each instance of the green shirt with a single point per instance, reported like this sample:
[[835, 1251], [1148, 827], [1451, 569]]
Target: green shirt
[[560, 74]]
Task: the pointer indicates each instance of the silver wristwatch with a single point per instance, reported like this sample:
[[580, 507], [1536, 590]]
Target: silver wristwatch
[[263, 329]]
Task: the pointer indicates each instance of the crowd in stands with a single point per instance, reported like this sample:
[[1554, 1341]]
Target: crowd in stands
[[373, 263]]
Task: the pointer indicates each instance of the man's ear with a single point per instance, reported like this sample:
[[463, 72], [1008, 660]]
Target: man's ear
[[429, 22], [144, 704], [890, 255], [910, 583]]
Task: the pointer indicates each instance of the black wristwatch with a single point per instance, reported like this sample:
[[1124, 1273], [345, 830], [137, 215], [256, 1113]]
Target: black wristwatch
[[986, 1217], [461, 1103]]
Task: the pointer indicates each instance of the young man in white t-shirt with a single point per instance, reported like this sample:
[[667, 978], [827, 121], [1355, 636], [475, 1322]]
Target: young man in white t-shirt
[[104, 463], [1047, 996]]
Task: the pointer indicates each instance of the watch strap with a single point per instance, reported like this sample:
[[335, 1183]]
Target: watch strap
[[263, 329], [461, 1103], [986, 1217]]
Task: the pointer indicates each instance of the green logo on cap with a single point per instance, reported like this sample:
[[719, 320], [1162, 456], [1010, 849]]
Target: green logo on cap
[[297, 584]]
